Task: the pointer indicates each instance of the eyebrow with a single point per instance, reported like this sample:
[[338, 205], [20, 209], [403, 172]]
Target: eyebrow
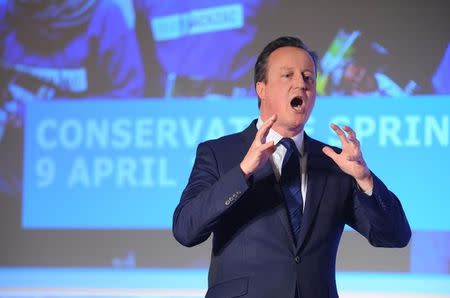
[[292, 68]]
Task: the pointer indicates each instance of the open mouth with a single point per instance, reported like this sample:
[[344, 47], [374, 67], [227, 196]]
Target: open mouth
[[297, 102]]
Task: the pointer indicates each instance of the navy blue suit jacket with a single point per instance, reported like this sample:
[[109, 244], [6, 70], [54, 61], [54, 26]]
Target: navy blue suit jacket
[[253, 252]]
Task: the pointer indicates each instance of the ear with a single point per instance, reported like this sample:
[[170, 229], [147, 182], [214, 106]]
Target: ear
[[261, 90]]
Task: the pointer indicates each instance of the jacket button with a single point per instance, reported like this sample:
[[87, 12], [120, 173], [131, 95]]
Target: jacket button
[[297, 259]]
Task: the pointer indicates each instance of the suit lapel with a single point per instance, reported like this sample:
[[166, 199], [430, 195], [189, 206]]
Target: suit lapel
[[284, 218], [266, 176], [316, 186]]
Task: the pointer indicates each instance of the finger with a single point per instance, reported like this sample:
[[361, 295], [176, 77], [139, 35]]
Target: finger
[[353, 141], [330, 153], [264, 130], [351, 134], [340, 133], [268, 147]]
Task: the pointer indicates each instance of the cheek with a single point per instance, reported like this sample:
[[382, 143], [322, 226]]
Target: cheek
[[311, 104]]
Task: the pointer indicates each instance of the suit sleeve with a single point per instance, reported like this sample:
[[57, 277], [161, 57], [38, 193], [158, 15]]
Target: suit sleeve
[[379, 217], [208, 195]]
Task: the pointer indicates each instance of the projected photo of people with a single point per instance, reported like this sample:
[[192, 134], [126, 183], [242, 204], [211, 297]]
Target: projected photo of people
[[75, 49], [201, 48]]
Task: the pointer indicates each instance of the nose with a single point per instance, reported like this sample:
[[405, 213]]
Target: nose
[[302, 83]]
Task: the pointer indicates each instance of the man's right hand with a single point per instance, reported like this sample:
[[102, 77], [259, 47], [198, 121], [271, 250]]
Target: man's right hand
[[259, 151]]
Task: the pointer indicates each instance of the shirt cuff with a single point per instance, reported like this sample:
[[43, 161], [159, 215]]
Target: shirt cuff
[[367, 192]]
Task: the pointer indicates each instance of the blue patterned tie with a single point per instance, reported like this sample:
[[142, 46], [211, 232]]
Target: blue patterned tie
[[291, 185]]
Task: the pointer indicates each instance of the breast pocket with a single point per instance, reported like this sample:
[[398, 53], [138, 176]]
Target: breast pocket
[[231, 288]]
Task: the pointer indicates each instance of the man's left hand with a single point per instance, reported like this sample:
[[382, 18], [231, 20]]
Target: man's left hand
[[350, 160]]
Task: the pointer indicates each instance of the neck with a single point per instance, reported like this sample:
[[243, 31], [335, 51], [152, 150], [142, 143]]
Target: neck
[[284, 130], [287, 132]]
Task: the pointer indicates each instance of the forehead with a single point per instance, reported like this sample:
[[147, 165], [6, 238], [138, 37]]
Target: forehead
[[290, 58]]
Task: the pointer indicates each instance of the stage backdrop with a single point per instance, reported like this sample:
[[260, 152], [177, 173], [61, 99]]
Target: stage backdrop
[[103, 104]]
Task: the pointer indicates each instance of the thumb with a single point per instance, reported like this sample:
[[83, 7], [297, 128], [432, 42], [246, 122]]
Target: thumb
[[330, 153]]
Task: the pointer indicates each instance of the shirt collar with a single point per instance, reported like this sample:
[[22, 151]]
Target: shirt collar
[[276, 137]]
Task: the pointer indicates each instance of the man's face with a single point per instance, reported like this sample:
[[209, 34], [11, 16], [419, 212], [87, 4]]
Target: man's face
[[289, 90]]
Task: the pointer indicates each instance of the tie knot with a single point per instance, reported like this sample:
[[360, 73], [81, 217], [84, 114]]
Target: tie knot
[[291, 150], [289, 144]]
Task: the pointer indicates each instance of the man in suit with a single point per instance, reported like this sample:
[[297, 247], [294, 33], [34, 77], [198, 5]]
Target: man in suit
[[277, 234]]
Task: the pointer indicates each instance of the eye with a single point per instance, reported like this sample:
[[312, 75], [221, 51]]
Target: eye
[[288, 75], [308, 78]]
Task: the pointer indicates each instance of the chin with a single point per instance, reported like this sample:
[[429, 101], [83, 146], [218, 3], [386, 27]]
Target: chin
[[296, 126]]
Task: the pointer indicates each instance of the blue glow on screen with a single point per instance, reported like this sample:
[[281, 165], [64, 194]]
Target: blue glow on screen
[[123, 164]]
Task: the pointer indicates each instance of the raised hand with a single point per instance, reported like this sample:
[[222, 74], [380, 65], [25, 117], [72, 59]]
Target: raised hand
[[259, 151], [350, 160]]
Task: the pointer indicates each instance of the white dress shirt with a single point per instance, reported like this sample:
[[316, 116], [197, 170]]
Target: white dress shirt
[[276, 159]]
